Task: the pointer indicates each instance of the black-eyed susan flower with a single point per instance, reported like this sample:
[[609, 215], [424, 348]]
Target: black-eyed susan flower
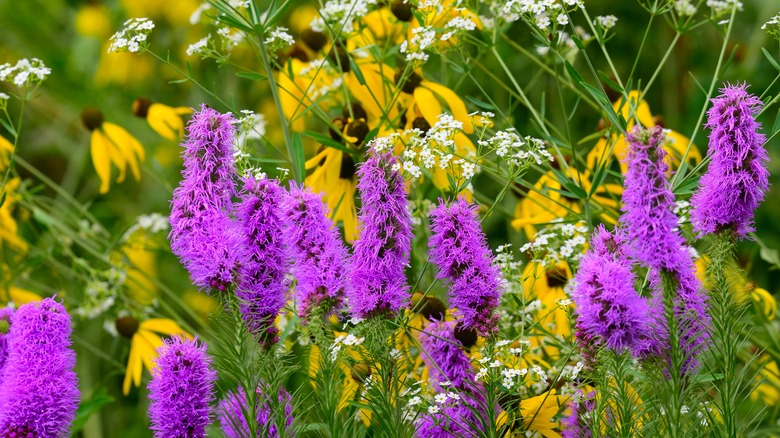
[[145, 338], [423, 97], [110, 143], [165, 120], [538, 413], [334, 175], [544, 289], [635, 111]]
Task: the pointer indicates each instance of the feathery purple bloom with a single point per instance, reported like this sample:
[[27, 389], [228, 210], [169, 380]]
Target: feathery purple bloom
[[316, 250], [262, 287], [376, 280], [181, 389], [5, 326], [459, 249], [202, 233], [231, 414], [39, 389], [608, 308], [737, 178], [444, 357]]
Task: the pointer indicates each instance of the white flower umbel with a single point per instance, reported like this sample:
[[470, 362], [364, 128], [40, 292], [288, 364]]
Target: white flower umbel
[[606, 21], [279, 39], [26, 73], [133, 37]]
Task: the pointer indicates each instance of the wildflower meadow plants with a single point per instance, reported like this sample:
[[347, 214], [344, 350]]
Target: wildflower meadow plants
[[406, 218]]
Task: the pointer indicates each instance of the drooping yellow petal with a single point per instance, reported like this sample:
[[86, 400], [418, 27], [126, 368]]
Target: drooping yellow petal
[[127, 145], [22, 296], [166, 121], [183, 110], [163, 326], [766, 301], [429, 105], [455, 103], [638, 108], [538, 412], [100, 150], [134, 366], [149, 344]]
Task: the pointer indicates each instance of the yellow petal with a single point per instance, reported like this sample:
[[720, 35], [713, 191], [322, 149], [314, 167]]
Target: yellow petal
[[101, 159], [457, 107], [129, 147], [183, 110], [640, 109], [134, 366], [163, 326], [22, 296], [428, 104], [150, 343], [165, 121]]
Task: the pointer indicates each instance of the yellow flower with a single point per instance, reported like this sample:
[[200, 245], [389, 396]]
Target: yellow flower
[[111, 143], [165, 120], [145, 338], [742, 287], [140, 262], [93, 20], [437, 15], [334, 176], [123, 68], [16, 295], [635, 110], [538, 412], [546, 285], [201, 303], [768, 388], [8, 225], [424, 97]]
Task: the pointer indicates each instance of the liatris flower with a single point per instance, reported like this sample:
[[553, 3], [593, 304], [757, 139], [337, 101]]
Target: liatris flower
[[737, 178], [39, 389], [377, 283], [573, 425], [443, 356], [316, 250], [262, 287], [232, 409], [202, 234], [5, 326], [459, 249], [608, 308], [181, 389]]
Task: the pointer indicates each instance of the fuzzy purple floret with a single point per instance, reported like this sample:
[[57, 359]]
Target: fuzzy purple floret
[[444, 356], [5, 326], [573, 426], [202, 233], [262, 287], [607, 306], [737, 179], [376, 280], [39, 391], [459, 249], [231, 414], [316, 250], [181, 389]]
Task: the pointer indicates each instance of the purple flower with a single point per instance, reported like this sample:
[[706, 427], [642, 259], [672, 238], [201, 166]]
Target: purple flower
[[457, 418], [737, 178], [5, 327], [651, 230], [262, 287], [181, 389], [573, 425], [202, 234], [459, 248], [377, 284], [444, 357], [316, 250], [608, 308], [233, 408], [39, 389]]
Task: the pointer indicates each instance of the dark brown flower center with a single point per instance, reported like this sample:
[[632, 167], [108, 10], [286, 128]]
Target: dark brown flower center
[[313, 39], [141, 107], [412, 82], [92, 118], [127, 326], [402, 10]]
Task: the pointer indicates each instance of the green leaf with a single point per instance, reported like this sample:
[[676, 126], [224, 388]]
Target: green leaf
[[8, 127], [598, 178], [606, 105], [251, 75], [770, 255], [87, 408], [325, 140], [776, 127], [770, 59], [698, 84], [481, 104], [178, 81], [610, 83], [575, 76], [358, 74], [298, 159], [575, 190]]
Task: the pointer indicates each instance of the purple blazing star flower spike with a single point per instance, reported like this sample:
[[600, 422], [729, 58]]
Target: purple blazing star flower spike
[[39, 390], [232, 408], [376, 280], [737, 178], [443, 356], [459, 248], [5, 327], [181, 389], [202, 234], [608, 308], [651, 228], [262, 287], [316, 250]]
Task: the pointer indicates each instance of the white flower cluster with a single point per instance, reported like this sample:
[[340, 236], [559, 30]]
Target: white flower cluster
[[458, 24], [684, 8], [133, 37], [200, 47], [250, 126], [606, 21], [340, 15], [520, 152], [510, 269], [773, 26], [682, 210], [25, 73], [723, 7], [558, 242], [564, 41], [230, 37], [279, 38], [542, 13], [319, 79], [422, 39], [101, 292], [349, 340], [153, 223]]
